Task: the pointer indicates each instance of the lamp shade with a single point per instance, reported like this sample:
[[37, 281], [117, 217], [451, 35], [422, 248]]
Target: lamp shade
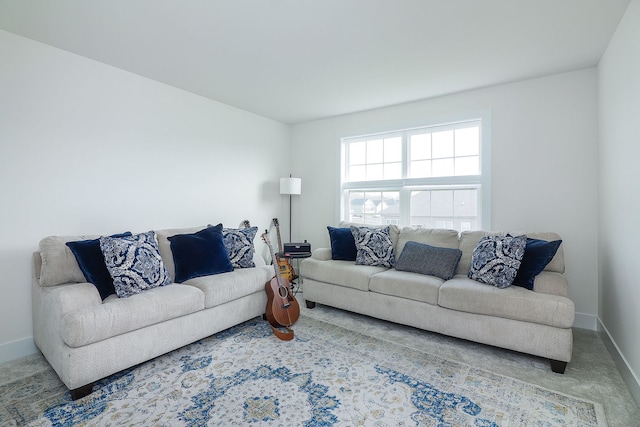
[[290, 185]]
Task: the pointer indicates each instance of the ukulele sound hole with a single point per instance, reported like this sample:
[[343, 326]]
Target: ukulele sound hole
[[282, 291]]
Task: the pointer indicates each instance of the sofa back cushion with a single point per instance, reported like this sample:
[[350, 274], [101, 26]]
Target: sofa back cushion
[[429, 236], [59, 265], [469, 240]]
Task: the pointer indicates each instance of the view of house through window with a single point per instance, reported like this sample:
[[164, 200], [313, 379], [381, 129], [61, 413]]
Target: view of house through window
[[427, 177]]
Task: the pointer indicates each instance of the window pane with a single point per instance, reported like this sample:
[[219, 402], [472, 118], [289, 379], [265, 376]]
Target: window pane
[[356, 206], [465, 203], [443, 223], [420, 169], [374, 207], [374, 151], [442, 144], [357, 173], [442, 203], [442, 167], [393, 149], [357, 153], [374, 172], [467, 165], [420, 146], [420, 209], [390, 208], [392, 170], [371, 202], [468, 141]]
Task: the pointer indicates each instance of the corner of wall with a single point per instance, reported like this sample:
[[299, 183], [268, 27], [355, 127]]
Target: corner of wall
[[627, 373]]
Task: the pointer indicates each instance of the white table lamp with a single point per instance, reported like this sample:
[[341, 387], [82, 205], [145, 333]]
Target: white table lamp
[[290, 186]]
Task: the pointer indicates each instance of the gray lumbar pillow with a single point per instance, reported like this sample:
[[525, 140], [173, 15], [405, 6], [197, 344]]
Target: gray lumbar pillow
[[426, 259]]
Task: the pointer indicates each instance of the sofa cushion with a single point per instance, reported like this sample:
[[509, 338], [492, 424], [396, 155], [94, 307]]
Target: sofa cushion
[[91, 262], [199, 254], [342, 273], [59, 265], [429, 236], [343, 246], [134, 262], [222, 288], [374, 246], [537, 254], [464, 294], [496, 259], [414, 286], [116, 316], [426, 259], [239, 244]]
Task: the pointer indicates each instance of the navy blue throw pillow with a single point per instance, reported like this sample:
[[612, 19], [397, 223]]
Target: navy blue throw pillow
[[91, 262], [343, 245], [200, 254], [537, 254]]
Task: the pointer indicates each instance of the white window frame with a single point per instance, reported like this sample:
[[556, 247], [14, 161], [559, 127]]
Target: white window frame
[[405, 185]]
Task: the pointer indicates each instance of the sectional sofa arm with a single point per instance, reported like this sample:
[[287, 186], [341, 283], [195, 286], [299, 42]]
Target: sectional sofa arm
[[549, 282], [322, 254], [71, 296]]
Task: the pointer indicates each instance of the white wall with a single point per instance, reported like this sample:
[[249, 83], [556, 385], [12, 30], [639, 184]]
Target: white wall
[[619, 100], [88, 148], [544, 148]]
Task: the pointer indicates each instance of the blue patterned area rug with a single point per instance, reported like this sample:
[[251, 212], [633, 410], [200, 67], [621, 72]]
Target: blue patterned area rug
[[326, 376]]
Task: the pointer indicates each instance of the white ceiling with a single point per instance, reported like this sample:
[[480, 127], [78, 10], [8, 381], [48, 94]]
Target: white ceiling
[[301, 60]]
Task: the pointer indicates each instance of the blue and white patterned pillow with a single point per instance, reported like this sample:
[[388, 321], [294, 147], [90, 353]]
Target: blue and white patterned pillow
[[373, 246], [134, 262], [239, 244], [496, 260]]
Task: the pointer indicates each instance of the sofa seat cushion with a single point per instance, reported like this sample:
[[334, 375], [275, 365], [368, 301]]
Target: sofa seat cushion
[[341, 273], [116, 316], [224, 287], [404, 284], [464, 294]]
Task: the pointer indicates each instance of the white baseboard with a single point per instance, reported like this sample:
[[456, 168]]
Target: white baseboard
[[628, 375], [586, 321], [17, 349]]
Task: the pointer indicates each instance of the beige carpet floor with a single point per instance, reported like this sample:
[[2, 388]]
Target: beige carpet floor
[[591, 375]]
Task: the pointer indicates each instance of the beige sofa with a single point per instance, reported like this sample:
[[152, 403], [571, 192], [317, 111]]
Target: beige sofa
[[536, 322], [85, 338]]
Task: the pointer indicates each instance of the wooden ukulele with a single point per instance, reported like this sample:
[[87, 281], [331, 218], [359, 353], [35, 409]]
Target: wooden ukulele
[[283, 309], [286, 269]]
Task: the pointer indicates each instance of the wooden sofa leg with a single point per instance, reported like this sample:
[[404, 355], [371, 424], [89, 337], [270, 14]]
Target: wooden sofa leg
[[557, 366], [310, 304], [80, 392]]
